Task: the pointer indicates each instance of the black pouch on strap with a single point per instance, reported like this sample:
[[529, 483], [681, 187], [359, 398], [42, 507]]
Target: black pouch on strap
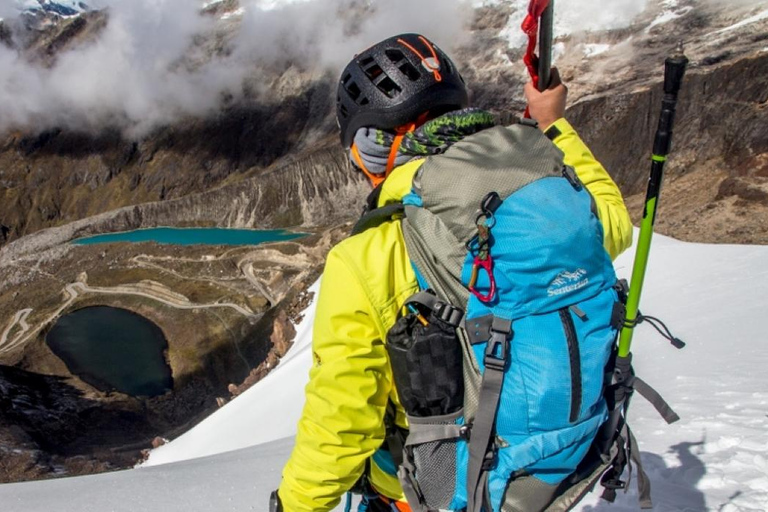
[[426, 364]]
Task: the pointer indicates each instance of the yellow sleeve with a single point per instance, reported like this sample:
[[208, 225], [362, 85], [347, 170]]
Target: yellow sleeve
[[613, 214], [346, 398]]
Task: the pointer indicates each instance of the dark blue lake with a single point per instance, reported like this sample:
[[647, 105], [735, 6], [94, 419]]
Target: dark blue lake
[[113, 349], [193, 236]]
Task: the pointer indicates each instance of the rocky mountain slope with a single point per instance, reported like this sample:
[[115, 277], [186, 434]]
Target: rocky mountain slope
[[717, 182], [716, 187], [59, 176], [318, 189]]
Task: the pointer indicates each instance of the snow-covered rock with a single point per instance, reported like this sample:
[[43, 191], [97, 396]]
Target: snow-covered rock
[[61, 7]]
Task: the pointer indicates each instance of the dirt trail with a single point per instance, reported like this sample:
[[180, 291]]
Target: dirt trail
[[167, 297]]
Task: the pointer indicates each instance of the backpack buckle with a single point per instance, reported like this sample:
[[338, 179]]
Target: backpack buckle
[[449, 313], [622, 290], [614, 484], [498, 346], [489, 461]]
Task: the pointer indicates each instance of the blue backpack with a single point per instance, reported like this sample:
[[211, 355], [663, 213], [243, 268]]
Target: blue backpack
[[503, 360]]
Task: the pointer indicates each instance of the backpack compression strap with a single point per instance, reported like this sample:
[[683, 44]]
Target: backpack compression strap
[[482, 451], [625, 383]]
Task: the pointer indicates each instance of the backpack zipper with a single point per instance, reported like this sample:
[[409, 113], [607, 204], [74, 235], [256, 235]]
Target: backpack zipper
[[575, 359]]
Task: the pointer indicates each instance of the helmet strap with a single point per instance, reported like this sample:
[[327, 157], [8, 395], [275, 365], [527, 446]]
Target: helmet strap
[[401, 132], [375, 179], [393, 151]]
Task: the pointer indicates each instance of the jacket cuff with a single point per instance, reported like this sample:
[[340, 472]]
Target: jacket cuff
[[558, 129]]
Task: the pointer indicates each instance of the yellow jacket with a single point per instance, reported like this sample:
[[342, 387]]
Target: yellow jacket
[[366, 280]]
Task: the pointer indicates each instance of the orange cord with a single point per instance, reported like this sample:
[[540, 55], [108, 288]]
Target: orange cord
[[433, 69], [376, 179], [393, 153], [401, 132]]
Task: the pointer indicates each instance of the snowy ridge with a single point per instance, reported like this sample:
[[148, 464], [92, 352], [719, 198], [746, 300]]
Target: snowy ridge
[[63, 8], [752, 19], [572, 17], [670, 11]]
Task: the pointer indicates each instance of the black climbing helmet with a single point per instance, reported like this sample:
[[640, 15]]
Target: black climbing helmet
[[394, 82]]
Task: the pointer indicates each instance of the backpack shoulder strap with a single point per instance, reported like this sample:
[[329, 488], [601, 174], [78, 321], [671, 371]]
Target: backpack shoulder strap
[[377, 217]]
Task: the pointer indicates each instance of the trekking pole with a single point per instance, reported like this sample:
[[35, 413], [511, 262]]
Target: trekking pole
[[546, 28], [674, 69]]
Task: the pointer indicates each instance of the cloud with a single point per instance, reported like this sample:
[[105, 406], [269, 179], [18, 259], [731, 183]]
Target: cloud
[[147, 68], [138, 74], [332, 31], [7, 10]]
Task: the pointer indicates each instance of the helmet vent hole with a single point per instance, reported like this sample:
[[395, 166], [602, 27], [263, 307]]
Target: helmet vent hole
[[373, 71], [388, 87], [401, 62], [395, 56], [344, 111], [353, 90], [364, 101], [410, 71]]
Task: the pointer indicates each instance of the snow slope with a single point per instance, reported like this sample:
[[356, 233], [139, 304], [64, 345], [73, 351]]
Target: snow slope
[[715, 458]]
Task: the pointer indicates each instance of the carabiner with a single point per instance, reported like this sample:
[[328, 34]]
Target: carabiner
[[487, 265]]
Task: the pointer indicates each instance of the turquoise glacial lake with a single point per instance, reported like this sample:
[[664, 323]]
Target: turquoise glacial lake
[[113, 349], [193, 236]]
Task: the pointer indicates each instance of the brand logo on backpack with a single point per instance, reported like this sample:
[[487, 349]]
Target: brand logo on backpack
[[568, 282]]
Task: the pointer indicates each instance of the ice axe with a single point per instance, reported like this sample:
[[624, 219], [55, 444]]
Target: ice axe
[[538, 25], [674, 69], [546, 26]]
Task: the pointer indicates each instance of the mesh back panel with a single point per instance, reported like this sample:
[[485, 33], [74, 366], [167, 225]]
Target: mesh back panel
[[437, 254], [500, 159], [452, 186]]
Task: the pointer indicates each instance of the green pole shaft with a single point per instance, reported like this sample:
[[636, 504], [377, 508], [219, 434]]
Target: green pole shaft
[[673, 77], [638, 276]]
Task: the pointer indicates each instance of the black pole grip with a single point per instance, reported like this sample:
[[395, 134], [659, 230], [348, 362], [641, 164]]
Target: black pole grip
[[546, 27], [674, 70], [663, 141]]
